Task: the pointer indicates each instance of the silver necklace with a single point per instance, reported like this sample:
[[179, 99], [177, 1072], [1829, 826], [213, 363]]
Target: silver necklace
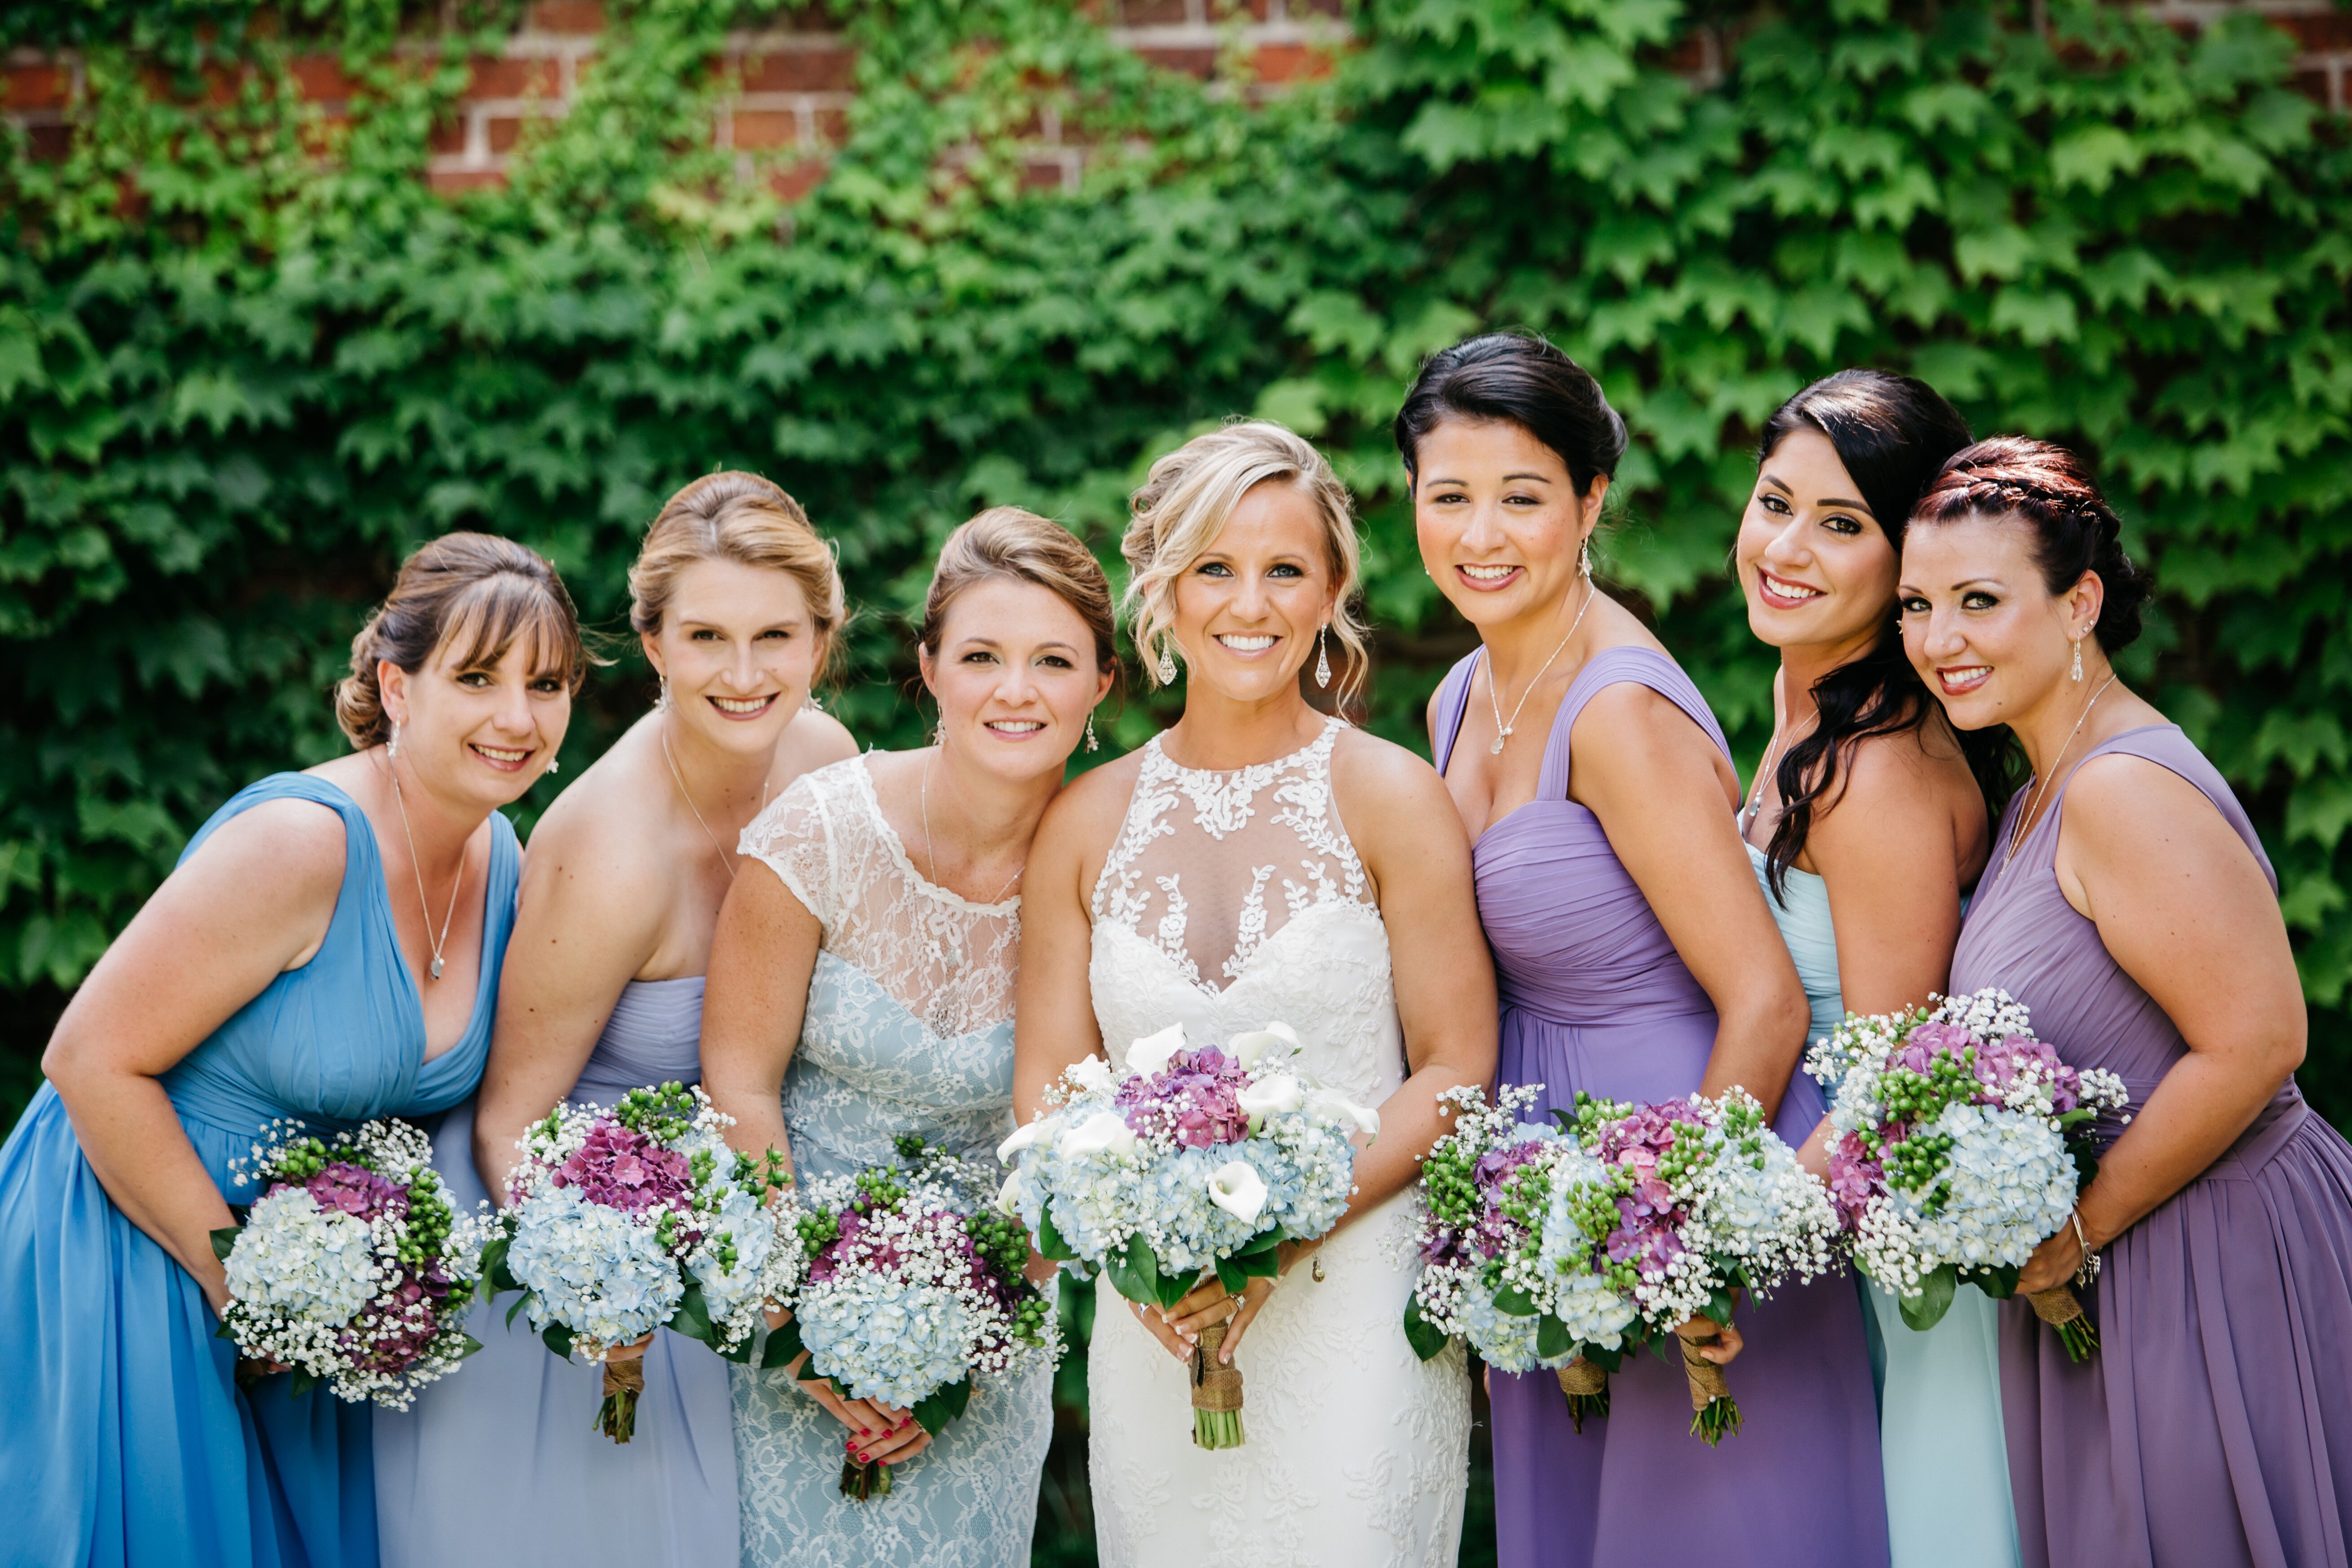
[[1763, 771], [2025, 817], [679, 779], [953, 952], [1503, 731], [416, 865]]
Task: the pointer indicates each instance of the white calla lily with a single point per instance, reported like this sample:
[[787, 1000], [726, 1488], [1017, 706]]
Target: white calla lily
[[1038, 1132], [1151, 1054], [1007, 1195], [1248, 1047], [1091, 1076], [1272, 1095], [1237, 1188], [1106, 1131], [1340, 1109]]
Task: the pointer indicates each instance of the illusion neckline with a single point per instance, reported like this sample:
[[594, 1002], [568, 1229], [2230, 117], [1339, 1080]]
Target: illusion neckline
[[871, 798], [1332, 724]]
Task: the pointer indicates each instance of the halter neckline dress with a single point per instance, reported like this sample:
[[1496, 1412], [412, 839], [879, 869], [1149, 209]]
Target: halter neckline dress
[[127, 1439], [1594, 997], [2210, 1428]]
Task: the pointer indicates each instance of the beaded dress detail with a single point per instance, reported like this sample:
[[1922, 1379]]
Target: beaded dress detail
[[1230, 899]]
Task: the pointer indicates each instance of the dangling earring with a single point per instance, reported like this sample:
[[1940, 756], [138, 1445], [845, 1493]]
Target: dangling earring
[[1322, 658], [1584, 556], [940, 733], [2078, 658], [555, 765], [1166, 669], [1092, 744], [392, 747], [661, 704]]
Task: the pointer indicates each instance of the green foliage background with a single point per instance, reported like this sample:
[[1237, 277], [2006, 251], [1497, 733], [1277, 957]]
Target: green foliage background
[[246, 360]]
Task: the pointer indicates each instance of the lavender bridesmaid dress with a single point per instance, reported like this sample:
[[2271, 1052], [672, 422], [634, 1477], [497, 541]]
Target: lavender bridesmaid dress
[[2211, 1427], [1594, 997]]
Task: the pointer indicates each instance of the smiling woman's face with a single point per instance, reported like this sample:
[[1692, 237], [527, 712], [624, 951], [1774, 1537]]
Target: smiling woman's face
[[1816, 567], [1015, 675], [1979, 623], [1499, 518], [1247, 610], [740, 650]]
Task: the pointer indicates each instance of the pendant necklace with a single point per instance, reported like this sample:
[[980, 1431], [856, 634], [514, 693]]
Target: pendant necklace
[[2025, 817], [684, 794], [418, 866], [953, 953], [1503, 731]]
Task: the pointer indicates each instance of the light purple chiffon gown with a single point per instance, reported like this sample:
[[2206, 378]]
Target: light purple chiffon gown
[[1594, 997], [2214, 1425]]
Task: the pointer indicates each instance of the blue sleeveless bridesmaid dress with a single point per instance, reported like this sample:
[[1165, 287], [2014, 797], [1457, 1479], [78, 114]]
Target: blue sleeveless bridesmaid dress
[[126, 1441], [1594, 997], [2210, 1430], [1940, 1426], [501, 1463]]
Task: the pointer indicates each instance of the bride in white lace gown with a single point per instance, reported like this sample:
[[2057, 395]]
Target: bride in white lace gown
[[1261, 861]]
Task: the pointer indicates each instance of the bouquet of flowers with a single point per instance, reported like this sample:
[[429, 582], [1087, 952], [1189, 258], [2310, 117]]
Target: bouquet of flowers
[[624, 1222], [350, 1269], [912, 1290], [1196, 1160], [1699, 1197], [1505, 1268], [1959, 1146]]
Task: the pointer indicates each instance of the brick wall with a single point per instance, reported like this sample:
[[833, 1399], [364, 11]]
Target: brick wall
[[797, 78]]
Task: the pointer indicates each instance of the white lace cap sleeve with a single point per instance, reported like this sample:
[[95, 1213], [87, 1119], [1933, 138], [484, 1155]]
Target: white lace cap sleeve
[[794, 838]]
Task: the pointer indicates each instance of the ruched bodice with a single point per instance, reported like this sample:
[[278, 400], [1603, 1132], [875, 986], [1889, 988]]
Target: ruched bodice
[[1596, 999], [1574, 939], [654, 1036], [2207, 1430]]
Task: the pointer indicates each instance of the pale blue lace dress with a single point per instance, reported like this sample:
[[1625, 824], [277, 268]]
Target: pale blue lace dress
[[908, 1029], [1939, 1425]]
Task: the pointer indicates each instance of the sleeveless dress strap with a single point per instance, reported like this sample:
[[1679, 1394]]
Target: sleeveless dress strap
[[2170, 749], [1613, 666], [1453, 703]]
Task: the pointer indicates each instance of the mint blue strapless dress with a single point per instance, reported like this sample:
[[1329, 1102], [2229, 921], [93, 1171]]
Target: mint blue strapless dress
[[1939, 1425], [126, 1439], [500, 1464]]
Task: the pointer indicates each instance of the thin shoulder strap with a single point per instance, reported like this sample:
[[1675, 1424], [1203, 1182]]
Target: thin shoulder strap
[[1452, 704], [2170, 748], [1613, 666]]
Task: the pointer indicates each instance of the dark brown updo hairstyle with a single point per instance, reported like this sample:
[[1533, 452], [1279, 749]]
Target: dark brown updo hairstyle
[[2049, 489], [739, 517], [1522, 379], [1892, 433], [488, 592], [1006, 542]]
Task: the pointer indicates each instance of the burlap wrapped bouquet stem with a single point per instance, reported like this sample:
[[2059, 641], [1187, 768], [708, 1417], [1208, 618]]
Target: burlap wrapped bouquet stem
[[1587, 1387], [1714, 1415], [2062, 1311], [1217, 1394], [624, 1379]]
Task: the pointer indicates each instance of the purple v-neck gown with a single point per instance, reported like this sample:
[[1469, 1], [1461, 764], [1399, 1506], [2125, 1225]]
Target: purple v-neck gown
[[1594, 997], [2214, 1425]]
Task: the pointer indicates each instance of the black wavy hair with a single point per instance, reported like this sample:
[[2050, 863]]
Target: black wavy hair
[[1894, 434], [1521, 378]]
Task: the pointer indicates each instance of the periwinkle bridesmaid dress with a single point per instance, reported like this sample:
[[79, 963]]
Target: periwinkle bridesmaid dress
[[501, 1463], [2212, 1428], [1594, 997], [1939, 1425], [126, 1439]]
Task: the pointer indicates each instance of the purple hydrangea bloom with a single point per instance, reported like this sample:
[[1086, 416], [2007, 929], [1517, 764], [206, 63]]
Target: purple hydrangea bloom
[[625, 1170], [355, 1189], [1194, 1100]]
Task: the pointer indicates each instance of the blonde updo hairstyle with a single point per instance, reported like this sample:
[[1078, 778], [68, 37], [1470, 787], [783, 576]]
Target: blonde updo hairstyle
[[739, 517], [471, 589], [1006, 542], [1184, 504]]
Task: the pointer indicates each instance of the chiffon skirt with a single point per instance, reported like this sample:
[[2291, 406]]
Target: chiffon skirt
[[2214, 1425], [126, 1441], [1940, 1436]]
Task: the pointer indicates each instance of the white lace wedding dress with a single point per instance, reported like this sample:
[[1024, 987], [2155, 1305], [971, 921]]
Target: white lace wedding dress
[[1357, 1451]]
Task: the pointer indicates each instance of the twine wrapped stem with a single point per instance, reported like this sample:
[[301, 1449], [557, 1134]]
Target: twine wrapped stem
[[1217, 1394], [2059, 1308]]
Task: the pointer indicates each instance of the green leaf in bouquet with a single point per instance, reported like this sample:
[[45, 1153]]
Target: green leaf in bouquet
[[559, 1340], [1926, 1309], [1516, 1302], [739, 1352], [1050, 1244], [1425, 1337], [1719, 1306], [1262, 1245], [785, 1345], [223, 1332], [692, 1318], [519, 1303], [225, 1241], [942, 1406], [1135, 1273], [304, 1382], [2000, 1284], [1552, 1336], [1230, 1275], [469, 1347], [495, 1275], [1607, 1360]]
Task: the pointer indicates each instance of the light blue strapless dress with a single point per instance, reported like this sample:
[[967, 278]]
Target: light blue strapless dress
[[501, 1463], [125, 1440], [1948, 1503], [867, 1069]]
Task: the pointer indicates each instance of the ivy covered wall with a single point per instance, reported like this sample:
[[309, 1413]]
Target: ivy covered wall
[[249, 355]]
